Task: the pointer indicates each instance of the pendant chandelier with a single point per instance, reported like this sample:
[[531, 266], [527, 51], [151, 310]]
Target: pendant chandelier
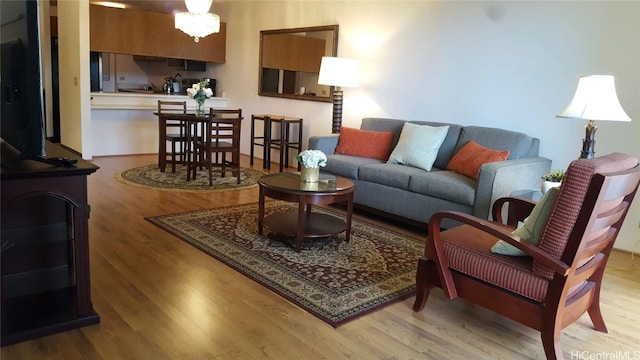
[[197, 21]]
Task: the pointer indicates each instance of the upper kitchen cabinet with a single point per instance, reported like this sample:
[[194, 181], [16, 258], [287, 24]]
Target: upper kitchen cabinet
[[127, 31]]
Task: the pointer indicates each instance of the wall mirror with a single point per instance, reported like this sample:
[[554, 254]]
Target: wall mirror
[[290, 62]]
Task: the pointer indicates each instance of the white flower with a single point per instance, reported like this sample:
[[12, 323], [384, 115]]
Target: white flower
[[199, 91], [312, 158]]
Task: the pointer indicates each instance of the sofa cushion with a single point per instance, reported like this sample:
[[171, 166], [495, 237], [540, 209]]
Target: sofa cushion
[[418, 145], [447, 149], [346, 165], [394, 175], [369, 144], [444, 184], [517, 143], [468, 160]]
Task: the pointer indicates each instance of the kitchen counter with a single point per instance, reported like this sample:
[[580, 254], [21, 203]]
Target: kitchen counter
[[123, 123], [145, 101]]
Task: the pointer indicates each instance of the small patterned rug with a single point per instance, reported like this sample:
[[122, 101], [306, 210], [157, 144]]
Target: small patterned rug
[[336, 281], [149, 176]]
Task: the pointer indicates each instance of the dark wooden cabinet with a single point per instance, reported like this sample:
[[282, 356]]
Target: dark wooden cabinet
[[45, 247]]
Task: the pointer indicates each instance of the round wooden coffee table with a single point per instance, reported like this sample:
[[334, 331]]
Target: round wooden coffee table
[[303, 223]]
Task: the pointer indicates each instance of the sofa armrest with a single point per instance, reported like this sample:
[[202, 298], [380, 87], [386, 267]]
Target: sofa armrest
[[326, 143], [500, 179]]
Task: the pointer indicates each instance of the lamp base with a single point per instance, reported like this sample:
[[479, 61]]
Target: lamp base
[[336, 123], [589, 141]]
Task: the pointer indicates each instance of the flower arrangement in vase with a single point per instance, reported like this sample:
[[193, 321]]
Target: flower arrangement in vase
[[311, 161], [200, 92], [551, 179]]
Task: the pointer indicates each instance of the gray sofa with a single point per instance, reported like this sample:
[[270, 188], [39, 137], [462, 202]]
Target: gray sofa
[[415, 194]]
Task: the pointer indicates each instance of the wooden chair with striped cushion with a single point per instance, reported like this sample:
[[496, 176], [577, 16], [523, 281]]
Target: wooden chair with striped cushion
[[560, 278]]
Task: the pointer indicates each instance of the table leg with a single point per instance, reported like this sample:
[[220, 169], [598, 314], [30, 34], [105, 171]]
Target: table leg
[[260, 210], [162, 144], [349, 214], [302, 217], [253, 139]]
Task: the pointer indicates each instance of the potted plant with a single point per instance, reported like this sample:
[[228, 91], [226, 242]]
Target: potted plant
[[551, 179]]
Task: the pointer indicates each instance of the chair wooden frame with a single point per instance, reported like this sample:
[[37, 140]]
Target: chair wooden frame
[[177, 107], [219, 135], [577, 276]]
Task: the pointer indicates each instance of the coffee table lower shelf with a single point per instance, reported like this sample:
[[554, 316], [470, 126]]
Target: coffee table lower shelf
[[315, 225]]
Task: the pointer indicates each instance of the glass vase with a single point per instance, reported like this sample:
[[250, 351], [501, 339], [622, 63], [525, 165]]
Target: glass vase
[[200, 108]]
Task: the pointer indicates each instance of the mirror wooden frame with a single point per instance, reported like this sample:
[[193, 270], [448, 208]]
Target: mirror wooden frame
[[288, 55]]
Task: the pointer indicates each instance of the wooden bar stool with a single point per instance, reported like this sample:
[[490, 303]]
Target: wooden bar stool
[[283, 143]]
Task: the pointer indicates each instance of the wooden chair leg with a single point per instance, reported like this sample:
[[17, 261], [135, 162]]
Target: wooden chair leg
[[423, 287], [551, 344], [594, 312], [173, 156]]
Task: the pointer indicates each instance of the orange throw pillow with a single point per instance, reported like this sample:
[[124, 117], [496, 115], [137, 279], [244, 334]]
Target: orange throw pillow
[[364, 143], [471, 156]]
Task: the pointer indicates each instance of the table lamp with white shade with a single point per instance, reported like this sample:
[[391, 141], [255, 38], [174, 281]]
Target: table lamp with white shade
[[338, 72], [595, 100]]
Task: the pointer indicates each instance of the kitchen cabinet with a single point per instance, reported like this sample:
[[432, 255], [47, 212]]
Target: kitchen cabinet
[[45, 247], [145, 33]]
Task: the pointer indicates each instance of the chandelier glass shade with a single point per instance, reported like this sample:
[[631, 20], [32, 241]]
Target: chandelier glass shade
[[197, 21]]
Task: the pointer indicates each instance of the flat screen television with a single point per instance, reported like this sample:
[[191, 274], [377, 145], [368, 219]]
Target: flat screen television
[[23, 121]]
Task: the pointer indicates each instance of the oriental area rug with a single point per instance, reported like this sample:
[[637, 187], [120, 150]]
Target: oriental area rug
[[334, 280], [149, 176]]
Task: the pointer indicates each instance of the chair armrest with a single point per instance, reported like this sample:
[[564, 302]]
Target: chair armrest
[[491, 228], [326, 143], [500, 179], [518, 209]]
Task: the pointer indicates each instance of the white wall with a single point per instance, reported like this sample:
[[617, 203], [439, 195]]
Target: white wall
[[74, 81], [507, 64]]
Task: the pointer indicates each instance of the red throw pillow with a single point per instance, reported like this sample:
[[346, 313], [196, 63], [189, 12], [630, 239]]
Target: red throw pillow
[[364, 143], [471, 156]]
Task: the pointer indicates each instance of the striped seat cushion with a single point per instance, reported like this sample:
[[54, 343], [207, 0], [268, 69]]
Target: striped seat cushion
[[468, 251]]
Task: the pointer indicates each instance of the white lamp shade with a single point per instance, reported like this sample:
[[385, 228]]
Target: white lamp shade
[[338, 72], [595, 99]]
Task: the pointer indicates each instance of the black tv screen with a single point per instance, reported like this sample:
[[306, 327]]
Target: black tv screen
[[23, 122]]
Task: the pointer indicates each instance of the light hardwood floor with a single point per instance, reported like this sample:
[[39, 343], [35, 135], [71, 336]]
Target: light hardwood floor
[[160, 298]]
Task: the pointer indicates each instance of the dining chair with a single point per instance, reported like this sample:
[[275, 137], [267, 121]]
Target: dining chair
[[220, 136], [556, 278], [177, 135]]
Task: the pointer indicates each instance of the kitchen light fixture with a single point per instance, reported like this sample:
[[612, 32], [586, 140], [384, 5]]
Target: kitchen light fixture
[[197, 21], [111, 4], [338, 72], [595, 99]]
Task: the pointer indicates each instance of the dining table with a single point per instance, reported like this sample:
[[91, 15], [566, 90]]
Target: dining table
[[190, 118], [162, 132]]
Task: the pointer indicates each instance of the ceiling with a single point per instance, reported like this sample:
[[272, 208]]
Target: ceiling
[[163, 6]]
